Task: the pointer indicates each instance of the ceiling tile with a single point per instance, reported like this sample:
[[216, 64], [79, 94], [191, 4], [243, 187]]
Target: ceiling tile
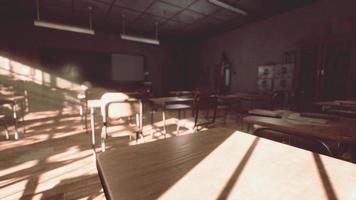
[[58, 3], [224, 14], [140, 5], [147, 22], [188, 17], [211, 21], [106, 1], [54, 12], [231, 2], [204, 7], [98, 7], [171, 25], [180, 3], [116, 13], [180, 17], [163, 10]]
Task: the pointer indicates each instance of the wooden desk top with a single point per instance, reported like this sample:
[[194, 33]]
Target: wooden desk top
[[96, 103], [244, 96], [266, 113], [339, 104], [165, 100], [220, 164], [183, 92], [339, 130]]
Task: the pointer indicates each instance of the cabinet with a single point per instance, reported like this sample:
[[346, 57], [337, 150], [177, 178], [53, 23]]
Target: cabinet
[[323, 70]]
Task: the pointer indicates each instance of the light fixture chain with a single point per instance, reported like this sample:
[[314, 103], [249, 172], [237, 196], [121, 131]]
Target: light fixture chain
[[38, 9]]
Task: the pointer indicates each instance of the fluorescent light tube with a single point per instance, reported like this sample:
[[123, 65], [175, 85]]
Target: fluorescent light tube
[[139, 39], [228, 7], [63, 27]]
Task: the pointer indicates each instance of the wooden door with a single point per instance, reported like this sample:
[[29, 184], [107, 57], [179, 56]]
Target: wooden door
[[307, 75], [334, 71]]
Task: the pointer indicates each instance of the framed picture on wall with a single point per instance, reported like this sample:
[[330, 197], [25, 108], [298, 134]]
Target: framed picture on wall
[[284, 71], [265, 71], [264, 85], [282, 84]]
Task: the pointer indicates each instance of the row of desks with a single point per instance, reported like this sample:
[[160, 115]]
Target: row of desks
[[162, 102]]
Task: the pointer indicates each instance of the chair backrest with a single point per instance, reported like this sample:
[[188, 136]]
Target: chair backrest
[[117, 105], [207, 102]]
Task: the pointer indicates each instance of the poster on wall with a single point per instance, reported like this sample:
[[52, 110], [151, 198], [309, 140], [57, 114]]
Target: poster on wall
[[264, 85], [265, 71], [282, 84], [284, 71]]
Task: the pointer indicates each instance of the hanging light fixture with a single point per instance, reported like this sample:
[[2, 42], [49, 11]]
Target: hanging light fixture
[[125, 36], [64, 27], [228, 7]]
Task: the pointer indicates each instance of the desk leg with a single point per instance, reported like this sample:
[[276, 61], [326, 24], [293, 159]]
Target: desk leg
[[152, 125], [23, 116], [15, 118], [86, 117], [164, 121], [92, 124], [81, 112], [6, 130]]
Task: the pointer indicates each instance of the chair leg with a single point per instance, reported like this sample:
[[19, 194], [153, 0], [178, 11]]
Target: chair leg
[[225, 114], [6, 130], [81, 113], [139, 137], [178, 127], [15, 118], [179, 114], [6, 133], [103, 137]]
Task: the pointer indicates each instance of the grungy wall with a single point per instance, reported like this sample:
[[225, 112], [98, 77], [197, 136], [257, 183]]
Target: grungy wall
[[266, 41]]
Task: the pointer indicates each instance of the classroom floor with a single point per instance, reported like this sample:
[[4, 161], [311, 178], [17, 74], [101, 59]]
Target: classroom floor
[[54, 159]]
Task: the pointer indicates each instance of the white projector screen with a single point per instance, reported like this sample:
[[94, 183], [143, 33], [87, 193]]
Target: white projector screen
[[127, 67]]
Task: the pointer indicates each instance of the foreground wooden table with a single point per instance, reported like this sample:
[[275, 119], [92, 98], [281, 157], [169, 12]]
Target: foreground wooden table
[[219, 164]]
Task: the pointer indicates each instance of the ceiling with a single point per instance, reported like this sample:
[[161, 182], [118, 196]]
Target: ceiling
[[175, 18]]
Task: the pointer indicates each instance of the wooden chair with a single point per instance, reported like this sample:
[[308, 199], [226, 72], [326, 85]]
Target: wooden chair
[[278, 99], [202, 102], [179, 107], [4, 124], [116, 106]]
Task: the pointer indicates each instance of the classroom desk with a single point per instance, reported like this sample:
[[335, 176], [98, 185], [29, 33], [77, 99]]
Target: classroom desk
[[338, 105], [13, 101], [163, 102], [229, 100], [338, 130], [182, 93], [244, 96], [341, 130], [219, 164]]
